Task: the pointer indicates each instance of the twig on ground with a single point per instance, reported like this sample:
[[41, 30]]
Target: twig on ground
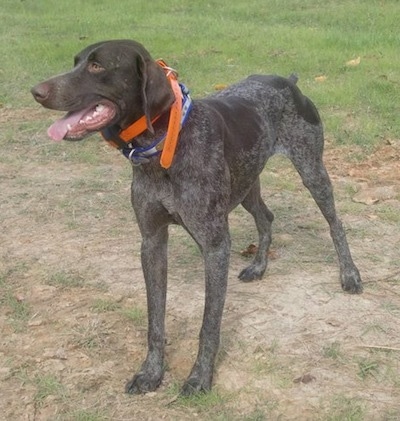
[[384, 348]]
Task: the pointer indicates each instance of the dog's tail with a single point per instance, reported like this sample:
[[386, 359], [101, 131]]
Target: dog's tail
[[293, 78]]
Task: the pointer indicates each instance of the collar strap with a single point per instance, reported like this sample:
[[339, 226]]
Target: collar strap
[[122, 139], [140, 155]]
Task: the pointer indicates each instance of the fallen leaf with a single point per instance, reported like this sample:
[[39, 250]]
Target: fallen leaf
[[321, 79], [305, 378], [249, 251], [252, 249], [353, 63], [220, 86]]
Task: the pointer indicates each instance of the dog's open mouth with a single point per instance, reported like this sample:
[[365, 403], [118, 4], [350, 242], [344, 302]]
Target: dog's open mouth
[[77, 125]]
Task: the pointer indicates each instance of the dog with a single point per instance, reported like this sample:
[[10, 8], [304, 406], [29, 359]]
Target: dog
[[217, 154]]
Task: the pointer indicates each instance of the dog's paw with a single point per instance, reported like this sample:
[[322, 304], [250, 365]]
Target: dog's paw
[[252, 273], [194, 386], [142, 383], [351, 281]]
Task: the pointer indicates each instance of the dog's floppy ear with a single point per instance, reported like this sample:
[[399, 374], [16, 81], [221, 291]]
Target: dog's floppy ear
[[156, 92]]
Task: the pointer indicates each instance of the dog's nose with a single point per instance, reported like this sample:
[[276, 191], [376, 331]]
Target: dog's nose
[[41, 92]]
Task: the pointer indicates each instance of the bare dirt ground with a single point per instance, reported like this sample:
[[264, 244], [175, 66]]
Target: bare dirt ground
[[294, 346]]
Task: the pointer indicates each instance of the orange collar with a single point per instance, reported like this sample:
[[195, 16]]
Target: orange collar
[[174, 125]]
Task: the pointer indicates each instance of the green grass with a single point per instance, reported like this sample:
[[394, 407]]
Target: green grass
[[104, 305], [343, 408], [136, 315], [367, 368], [12, 299], [47, 385], [86, 415], [64, 279], [332, 351], [220, 42]]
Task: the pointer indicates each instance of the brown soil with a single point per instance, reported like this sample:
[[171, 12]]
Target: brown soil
[[294, 346]]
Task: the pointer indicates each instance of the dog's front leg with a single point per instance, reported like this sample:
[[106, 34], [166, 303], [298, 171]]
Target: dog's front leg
[[216, 258], [154, 263]]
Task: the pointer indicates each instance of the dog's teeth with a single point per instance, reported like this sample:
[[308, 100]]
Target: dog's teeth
[[100, 108]]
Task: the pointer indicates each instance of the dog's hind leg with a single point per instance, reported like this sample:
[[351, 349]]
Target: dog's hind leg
[[263, 218], [309, 164]]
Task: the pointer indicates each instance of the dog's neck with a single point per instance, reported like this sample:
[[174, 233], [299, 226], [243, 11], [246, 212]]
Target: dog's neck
[[138, 144]]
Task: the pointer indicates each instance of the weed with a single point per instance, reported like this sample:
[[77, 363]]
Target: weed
[[47, 385], [19, 310], [89, 336], [65, 279], [273, 348], [367, 368], [267, 363], [374, 328], [203, 401], [136, 315], [102, 306], [392, 415], [256, 415], [332, 351], [343, 408], [391, 307], [86, 415], [389, 213]]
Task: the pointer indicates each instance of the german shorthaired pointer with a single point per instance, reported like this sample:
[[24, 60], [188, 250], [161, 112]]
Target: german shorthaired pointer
[[223, 146]]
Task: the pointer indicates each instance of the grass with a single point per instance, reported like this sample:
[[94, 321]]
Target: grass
[[46, 386], [12, 300], [343, 408], [229, 41], [214, 402], [332, 351], [104, 305], [19, 310], [86, 415], [65, 279], [367, 368], [136, 315]]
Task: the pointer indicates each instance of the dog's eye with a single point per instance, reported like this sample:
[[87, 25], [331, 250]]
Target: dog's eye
[[94, 67]]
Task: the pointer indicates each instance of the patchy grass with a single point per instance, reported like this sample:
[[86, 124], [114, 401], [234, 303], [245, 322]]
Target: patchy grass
[[102, 306], [136, 315], [345, 409], [47, 385], [64, 279], [332, 351]]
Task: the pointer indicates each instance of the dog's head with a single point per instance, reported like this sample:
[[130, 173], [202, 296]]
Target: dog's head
[[112, 83]]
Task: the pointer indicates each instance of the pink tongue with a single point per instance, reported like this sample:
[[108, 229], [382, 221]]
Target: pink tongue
[[59, 129]]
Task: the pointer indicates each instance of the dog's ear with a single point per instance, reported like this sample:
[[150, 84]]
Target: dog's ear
[[156, 92]]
